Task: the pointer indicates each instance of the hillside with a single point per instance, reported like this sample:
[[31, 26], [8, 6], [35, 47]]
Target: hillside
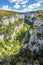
[[8, 13], [10, 25], [12, 30], [21, 38]]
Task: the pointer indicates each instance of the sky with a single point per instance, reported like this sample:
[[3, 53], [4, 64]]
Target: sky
[[21, 5]]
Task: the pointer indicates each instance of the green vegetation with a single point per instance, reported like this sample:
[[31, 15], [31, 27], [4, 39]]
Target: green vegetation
[[10, 28], [8, 47], [8, 13], [41, 16], [12, 47], [14, 52]]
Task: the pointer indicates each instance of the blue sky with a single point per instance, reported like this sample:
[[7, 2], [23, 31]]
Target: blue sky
[[21, 5]]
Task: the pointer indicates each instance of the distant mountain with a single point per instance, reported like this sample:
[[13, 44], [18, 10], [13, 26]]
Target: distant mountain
[[37, 11], [8, 13]]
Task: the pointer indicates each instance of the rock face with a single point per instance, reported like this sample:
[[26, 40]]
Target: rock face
[[36, 40], [34, 18], [12, 19], [5, 21], [11, 36], [16, 25], [30, 17], [16, 30], [1, 37], [37, 23], [20, 16]]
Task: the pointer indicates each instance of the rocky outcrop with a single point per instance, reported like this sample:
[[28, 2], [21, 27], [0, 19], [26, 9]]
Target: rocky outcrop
[[36, 40], [19, 19], [1, 37], [16, 30], [20, 16], [37, 23], [7, 20], [31, 16]]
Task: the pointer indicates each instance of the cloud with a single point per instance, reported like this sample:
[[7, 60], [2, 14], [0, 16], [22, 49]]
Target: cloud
[[16, 1], [31, 7], [23, 5], [5, 7], [19, 1], [39, 1], [16, 6], [25, 1]]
